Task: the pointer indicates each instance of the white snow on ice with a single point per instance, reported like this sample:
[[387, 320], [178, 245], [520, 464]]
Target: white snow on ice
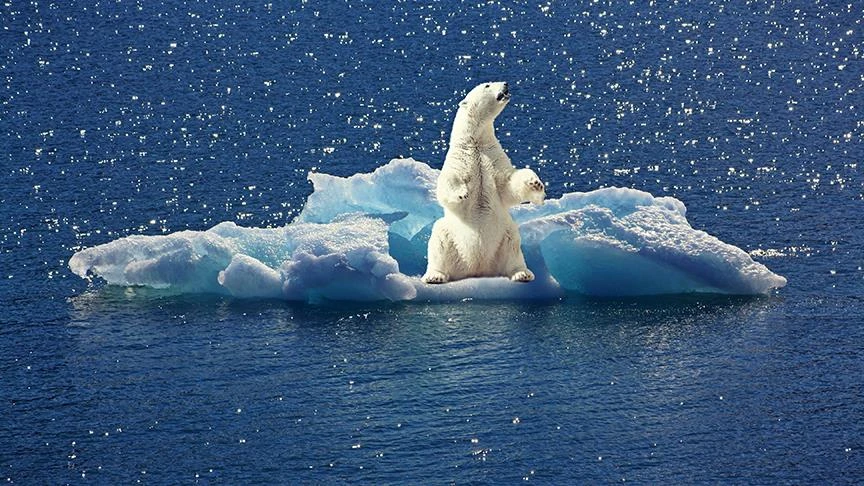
[[364, 238]]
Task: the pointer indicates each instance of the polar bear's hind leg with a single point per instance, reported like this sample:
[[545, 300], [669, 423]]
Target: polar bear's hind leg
[[512, 260], [441, 255]]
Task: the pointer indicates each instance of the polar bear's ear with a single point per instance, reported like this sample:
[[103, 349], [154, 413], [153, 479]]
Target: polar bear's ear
[[464, 102]]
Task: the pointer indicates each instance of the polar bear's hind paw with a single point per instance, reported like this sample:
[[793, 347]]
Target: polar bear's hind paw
[[433, 277], [522, 276]]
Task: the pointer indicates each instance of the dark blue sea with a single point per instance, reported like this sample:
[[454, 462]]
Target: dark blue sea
[[128, 117]]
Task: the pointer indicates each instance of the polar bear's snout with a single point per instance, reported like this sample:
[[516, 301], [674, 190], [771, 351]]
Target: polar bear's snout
[[504, 94]]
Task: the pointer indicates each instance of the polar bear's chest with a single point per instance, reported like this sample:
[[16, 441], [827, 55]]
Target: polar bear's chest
[[485, 186], [487, 174]]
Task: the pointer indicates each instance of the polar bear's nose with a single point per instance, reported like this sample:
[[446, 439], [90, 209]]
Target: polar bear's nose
[[505, 93]]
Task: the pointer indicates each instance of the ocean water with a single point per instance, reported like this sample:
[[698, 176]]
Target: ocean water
[[123, 118]]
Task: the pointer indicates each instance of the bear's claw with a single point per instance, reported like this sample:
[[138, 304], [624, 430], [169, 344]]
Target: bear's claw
[[433, 277], [522, 276]]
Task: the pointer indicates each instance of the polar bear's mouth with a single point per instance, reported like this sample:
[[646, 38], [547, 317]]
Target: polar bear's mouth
[[504, 94]]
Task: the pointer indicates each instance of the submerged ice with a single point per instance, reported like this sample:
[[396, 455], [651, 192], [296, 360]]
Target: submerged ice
[[364, 238]]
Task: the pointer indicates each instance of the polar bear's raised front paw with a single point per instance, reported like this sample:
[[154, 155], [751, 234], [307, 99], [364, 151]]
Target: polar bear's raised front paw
[[527, 186], [433, 277], [522, 276], [536, 185], [536, 191]]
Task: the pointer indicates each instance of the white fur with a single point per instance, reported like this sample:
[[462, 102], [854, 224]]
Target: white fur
[[477, 236]]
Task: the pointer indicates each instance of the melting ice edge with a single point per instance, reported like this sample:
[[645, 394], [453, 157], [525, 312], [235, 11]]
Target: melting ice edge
[[364, 237]]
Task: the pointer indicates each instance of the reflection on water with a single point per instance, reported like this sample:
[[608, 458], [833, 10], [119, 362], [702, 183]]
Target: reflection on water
[[636, 388], [453, 387]]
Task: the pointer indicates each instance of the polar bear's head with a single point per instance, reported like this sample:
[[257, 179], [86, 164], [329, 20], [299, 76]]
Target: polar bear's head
[[486, 101]]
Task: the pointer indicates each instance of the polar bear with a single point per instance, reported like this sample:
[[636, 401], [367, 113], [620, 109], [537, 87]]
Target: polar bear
[[478, 184]]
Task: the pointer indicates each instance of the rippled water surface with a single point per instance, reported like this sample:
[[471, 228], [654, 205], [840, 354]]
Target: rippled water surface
[[123, 117]]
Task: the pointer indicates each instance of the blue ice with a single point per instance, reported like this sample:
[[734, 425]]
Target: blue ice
[[364, 238]]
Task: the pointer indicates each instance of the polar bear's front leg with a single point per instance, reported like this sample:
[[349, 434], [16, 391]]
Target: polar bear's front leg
[[452, 190], [525, 186]]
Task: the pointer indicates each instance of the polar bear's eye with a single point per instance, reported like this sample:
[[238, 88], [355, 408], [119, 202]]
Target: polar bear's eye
[[486, 86]]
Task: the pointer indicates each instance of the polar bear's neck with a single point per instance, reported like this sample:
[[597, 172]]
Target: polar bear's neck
[[468, 131]]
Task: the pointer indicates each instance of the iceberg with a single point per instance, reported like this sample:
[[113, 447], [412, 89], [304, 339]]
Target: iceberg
[[342, 260], [364, 237]]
